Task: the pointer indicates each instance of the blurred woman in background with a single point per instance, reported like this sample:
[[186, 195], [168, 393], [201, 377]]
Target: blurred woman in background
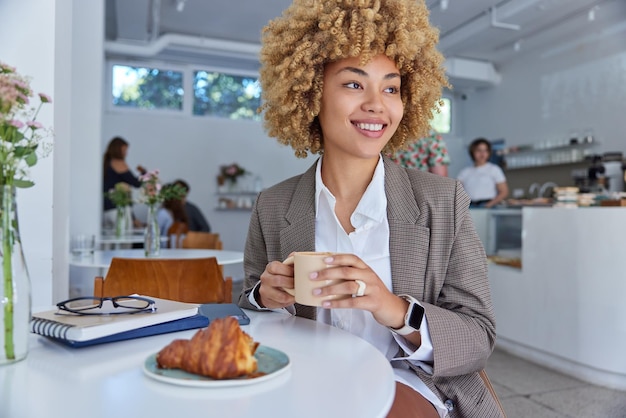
[[115, 170], [172, 217], [484, 181]]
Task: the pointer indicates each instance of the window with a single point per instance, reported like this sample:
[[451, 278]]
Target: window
[[147, 88], [226, 95], [441, 121]]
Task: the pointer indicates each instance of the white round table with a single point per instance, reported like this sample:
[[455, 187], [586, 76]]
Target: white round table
[[333, 374], [102, 258]]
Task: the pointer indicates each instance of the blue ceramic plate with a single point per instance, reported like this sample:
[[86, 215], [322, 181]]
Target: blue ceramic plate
[[270, 364]]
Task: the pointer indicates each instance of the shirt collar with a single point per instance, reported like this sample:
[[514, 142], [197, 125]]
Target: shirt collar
[[372, 207]]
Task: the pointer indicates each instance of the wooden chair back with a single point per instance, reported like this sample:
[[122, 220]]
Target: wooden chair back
[[483, 375], [176, 233], [207, 240], [198, 280]]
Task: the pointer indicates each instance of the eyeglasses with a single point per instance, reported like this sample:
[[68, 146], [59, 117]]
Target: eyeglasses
[[88, 305]]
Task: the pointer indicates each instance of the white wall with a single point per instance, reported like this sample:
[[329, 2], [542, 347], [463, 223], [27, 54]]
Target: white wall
[[550, 94], [59, 44], [27, 33]]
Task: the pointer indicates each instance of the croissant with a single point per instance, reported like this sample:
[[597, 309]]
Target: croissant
[[220, 351]]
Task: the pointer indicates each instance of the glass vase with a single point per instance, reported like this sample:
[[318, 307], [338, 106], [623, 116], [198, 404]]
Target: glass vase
[[120, 221], [15, 296], [152, 234]]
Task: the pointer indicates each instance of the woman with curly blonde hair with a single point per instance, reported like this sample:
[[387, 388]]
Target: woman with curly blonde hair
[[353, 80]]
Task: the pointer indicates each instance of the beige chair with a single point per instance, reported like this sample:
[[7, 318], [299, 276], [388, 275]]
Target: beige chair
[[206, 240], [198, 280]]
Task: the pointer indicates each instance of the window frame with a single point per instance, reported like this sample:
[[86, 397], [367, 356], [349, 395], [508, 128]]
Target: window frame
[[188, 96]]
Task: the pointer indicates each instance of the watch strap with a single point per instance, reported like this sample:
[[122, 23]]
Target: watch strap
[[407, 329]]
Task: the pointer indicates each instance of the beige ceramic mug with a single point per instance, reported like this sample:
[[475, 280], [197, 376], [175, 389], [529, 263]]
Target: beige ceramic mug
[[305, 263]]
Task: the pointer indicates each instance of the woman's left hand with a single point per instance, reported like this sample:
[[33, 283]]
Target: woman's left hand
[[387, 308]]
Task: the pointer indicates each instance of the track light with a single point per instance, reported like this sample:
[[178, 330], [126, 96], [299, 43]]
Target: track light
[[180, 5], [443, 5], [517, 45], [591, 15]]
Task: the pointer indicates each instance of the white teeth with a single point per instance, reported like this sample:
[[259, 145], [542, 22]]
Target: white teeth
[[370, 126]]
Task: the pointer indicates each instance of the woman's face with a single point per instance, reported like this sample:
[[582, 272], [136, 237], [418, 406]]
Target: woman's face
[[361, 106], [124, 151], [481, 154]]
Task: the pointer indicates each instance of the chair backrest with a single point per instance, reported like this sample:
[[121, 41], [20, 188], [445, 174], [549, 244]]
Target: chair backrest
[[483, 375], [206, 240], [176, 233], [198, 280]]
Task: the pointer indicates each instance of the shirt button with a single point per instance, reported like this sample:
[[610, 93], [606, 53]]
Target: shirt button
[[449, 405]]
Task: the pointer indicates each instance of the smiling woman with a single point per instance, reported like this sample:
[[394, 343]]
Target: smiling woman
[[351, 81]]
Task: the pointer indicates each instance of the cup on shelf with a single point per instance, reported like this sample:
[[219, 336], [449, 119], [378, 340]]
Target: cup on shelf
[[82, 244]]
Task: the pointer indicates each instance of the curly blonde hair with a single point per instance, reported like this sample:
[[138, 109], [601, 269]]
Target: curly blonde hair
[[312, 33]]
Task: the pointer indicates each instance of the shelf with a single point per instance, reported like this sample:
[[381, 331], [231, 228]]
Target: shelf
[[527, 156], [235, 193], [527, 167], [235, 201], [218, 209]]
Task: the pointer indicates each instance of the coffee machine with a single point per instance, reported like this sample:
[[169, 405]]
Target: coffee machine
[[604, 175], [614, 167]]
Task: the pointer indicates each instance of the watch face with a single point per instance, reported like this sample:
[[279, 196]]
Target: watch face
[[416, 315]]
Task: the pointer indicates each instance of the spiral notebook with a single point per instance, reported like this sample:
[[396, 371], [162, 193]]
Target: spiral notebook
[[77, 328]]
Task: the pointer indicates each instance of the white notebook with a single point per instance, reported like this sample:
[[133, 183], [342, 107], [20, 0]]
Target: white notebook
[[60, 324]]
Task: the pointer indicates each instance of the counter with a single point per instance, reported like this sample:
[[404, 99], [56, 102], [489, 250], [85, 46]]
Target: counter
[[564, 308]]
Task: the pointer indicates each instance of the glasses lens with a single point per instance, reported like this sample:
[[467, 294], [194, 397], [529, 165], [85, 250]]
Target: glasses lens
[[129, 302], [83, 304]]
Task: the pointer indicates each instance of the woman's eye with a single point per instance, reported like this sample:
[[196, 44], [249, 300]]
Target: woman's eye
[[353, 85], [392, 90]]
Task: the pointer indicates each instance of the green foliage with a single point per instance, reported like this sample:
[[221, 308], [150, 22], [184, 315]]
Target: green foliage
[[151, 88], [224, 95]]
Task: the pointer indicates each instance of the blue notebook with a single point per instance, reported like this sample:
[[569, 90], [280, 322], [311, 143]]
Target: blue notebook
[[191, 322]]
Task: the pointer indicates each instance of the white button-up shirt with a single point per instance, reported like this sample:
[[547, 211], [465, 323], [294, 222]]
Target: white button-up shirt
[[370, 242]]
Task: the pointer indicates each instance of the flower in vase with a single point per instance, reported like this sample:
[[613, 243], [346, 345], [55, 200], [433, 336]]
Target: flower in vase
[[22, 137], [231, 173], [153, 192], [22, 143]]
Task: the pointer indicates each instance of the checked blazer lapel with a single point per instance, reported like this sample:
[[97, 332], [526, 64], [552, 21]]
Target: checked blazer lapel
[[299, 235], [408, 241]]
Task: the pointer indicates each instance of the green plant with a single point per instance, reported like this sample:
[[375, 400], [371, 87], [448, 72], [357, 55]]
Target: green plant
[[120, 195]]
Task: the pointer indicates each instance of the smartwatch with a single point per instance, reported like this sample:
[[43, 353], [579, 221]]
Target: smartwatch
[[413, 317]]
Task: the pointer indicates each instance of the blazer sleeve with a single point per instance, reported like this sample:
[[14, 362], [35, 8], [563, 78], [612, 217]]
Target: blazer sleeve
[[461, 321], [255, 256]]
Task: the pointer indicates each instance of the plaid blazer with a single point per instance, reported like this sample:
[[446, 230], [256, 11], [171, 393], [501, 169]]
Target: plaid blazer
[[436, 256]]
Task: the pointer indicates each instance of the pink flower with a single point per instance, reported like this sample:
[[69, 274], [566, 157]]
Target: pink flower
[[5, 68], [17, 123], [45, 98], [33, 124]]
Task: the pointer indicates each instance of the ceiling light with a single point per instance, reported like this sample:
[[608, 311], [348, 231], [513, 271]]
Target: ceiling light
[[517, 45], [443, 5], [180, 5], [591, 15], [497, 24]]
